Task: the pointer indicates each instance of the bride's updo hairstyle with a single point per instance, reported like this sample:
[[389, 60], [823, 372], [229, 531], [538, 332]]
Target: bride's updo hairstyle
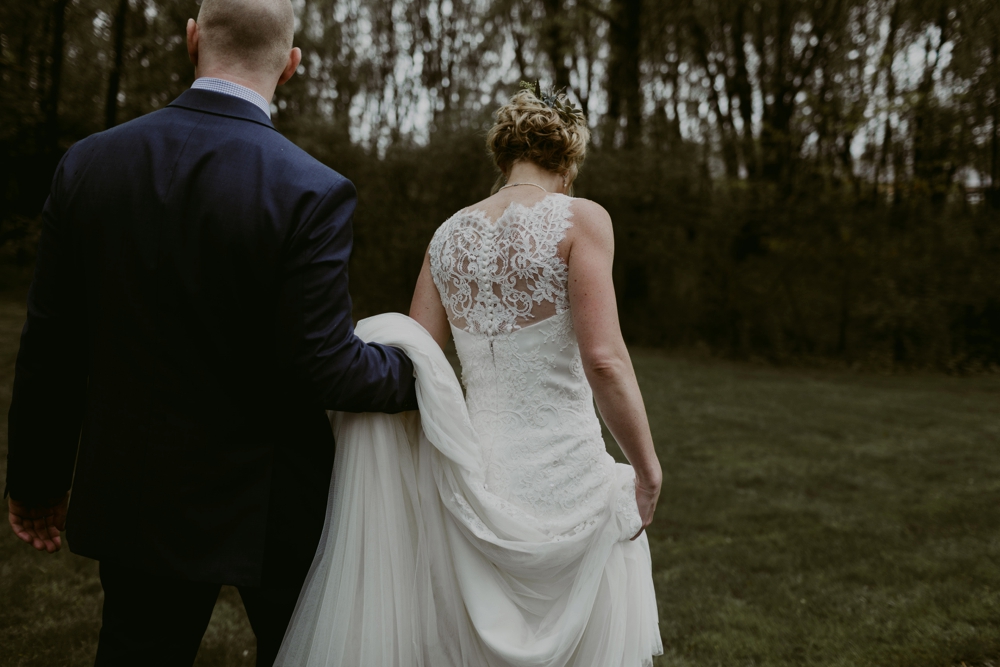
[[528, 128]]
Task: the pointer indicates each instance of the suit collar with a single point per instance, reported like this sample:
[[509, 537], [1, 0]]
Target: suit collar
[[220, 104]]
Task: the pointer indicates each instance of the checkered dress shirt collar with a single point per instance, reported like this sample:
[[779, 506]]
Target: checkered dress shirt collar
[[234, 89]]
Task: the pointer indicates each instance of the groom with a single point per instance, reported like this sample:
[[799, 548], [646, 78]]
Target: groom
[[188, 324]]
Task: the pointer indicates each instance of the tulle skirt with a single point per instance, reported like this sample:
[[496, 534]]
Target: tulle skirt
[[418, 567]]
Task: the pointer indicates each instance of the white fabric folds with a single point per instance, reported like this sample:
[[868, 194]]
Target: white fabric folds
[[420, 565]]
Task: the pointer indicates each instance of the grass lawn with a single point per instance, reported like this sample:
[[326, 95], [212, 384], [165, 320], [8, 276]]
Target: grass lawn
[[808, 518]]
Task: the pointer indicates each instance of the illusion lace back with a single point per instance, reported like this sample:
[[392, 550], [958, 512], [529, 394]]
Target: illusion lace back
[[493, 529], [504, 287], [496, 276]]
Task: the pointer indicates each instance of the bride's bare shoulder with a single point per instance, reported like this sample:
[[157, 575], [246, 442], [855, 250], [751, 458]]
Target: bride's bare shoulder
[[475, 209], [590, 219], [459, 216]]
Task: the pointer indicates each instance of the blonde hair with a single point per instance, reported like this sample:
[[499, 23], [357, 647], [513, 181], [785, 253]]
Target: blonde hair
[[528, 129]]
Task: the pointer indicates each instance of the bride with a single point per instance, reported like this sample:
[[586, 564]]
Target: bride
[[493, 529]]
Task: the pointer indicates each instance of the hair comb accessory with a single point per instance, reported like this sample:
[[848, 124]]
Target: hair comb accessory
[[556, 100]]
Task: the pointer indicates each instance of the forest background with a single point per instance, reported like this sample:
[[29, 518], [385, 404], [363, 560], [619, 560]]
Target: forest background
[[793, 180]]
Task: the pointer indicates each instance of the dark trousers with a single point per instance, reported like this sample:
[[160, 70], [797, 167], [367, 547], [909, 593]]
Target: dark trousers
[[159, 621]]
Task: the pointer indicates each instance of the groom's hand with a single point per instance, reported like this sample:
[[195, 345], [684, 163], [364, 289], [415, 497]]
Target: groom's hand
[[39, 525]]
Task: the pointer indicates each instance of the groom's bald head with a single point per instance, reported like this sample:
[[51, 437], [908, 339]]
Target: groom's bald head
[[251, 34]]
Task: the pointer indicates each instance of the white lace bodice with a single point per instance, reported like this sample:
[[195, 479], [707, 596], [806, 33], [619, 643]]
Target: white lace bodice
[[504, 288], [496, 276]]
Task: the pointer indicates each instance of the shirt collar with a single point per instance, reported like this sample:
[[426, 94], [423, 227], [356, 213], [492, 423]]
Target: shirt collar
[[234, 89]]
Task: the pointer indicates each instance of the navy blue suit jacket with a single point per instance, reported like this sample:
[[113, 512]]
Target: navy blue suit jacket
[[188, 323]]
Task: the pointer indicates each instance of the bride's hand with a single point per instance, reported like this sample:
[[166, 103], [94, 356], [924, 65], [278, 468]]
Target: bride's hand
[[646, 495]]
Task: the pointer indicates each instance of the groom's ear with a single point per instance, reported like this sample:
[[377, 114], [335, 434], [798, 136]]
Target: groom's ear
[[294, 58], [192, 42]]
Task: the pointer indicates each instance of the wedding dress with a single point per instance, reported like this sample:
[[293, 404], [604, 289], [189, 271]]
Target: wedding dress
[[490, 529]]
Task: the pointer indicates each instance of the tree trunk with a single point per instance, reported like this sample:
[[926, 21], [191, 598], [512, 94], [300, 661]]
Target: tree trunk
[[995, 135], [522, 65], [786, 79], [632, 16], [888, 57], [674, 78], [554, 41], [776, 123], [114, 79], [55, 74], [727, 132], [586, 57], [24, 56], [845, 310], [744, 91], [930, 164], [623, 76]]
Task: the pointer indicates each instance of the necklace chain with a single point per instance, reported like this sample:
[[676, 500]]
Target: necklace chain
[[511, 185]]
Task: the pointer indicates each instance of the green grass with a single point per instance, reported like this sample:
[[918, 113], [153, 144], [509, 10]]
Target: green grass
[[807, 518], [825, 518]]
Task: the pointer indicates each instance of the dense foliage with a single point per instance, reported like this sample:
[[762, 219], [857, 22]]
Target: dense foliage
[[789, 178]]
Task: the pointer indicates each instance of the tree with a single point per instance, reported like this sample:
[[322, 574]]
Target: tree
[[55, 74], [114, 79]]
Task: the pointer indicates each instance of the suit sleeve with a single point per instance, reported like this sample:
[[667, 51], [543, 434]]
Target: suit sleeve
[[329, 364], [50, 376]]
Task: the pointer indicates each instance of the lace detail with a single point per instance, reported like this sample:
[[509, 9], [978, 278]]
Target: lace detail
[[495, 277], [535, 416], [504, 287]]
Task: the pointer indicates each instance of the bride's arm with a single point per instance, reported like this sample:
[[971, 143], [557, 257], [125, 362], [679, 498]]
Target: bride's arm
[[426, 306], [605, 358]]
